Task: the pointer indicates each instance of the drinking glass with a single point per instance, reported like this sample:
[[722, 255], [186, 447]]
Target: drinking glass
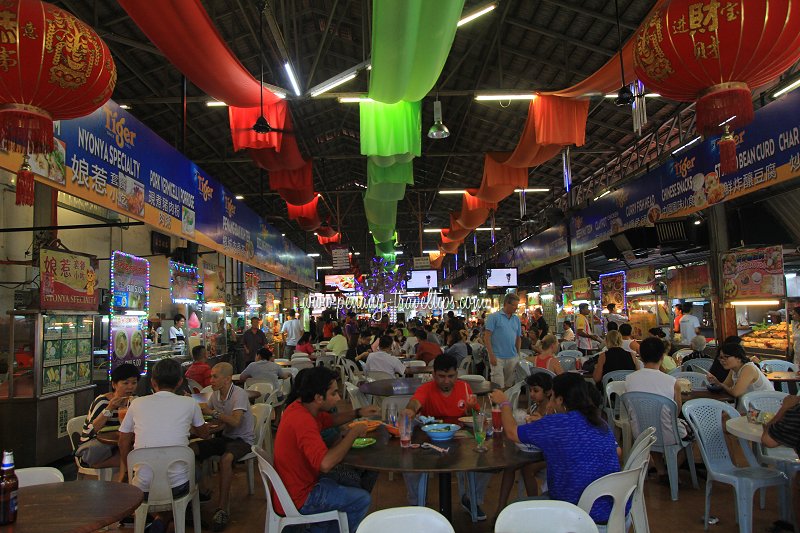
[[479, 430], [406, 428], [391, 415], [497, 419]]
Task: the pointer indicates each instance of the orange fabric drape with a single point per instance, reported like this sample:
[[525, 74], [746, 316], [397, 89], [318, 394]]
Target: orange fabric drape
[[474, 211], [457, 234], [436, 260], [500, 180], [450, 247]]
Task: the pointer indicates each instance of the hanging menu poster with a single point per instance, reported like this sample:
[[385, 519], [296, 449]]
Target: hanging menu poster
[[641, 280], [753, 273], [130, 294], [213, 283], [612, 289], [184, 283], [251, 281], [68, 281], [689, 282], [127, 341], [582, 289]]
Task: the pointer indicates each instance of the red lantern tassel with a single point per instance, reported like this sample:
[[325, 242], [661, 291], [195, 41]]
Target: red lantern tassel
[[727, 153], [25, 184], [25, 128]]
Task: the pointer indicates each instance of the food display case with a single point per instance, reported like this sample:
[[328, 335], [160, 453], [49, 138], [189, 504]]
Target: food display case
[[767, 339], [49, 382]]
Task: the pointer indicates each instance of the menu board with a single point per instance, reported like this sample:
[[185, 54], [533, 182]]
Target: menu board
[[753, 273], [130, 294], [612, 289], [251, 281], [689, 282], [68, 281], [582, 289], [66, 352], [270, 303], [213, 283], [184, 283], [127, 340], [641, 280]]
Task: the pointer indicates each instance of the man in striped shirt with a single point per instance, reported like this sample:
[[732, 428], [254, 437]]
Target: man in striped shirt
[[784, 430]]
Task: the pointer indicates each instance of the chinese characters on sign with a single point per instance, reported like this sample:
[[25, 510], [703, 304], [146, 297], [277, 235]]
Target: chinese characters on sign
[[68, 281], [754, 273]]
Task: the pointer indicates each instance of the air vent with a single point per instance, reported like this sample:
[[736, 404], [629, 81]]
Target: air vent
[[672, 231]]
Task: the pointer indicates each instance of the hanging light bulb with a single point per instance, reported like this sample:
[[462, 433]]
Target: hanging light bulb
[[438, 130]]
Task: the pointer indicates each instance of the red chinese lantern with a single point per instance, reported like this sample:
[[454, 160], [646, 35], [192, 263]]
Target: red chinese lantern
[[52, 67], [715, 52]]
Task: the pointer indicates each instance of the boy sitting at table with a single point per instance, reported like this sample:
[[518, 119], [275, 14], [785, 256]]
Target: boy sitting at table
[[199, 370], [445, 397]]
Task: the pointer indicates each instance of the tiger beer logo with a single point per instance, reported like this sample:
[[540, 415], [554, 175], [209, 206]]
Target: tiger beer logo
[[115, 125], [684, 166], [206, 190], [230, 207]]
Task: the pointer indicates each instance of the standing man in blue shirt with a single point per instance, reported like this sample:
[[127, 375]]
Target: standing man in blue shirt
[[503, 338]]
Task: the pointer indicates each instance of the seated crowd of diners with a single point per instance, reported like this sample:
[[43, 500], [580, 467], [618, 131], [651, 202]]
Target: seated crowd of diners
[[563, 418]]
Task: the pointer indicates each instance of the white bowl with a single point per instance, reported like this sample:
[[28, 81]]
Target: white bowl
[[527, 448]]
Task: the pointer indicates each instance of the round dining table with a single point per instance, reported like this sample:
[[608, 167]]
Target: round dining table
[[784, 377], [704, 393], [112, 437], [386, 455], [73, 507], [408, 386]]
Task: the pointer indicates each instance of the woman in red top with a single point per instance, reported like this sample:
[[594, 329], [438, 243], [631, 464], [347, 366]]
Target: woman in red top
[[546, 358], [327, 330], [304, 345]]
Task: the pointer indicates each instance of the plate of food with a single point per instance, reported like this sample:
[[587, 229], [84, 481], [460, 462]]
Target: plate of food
[[137, 343], [466, 421], [121, 344], [372, 425], [363, 442]]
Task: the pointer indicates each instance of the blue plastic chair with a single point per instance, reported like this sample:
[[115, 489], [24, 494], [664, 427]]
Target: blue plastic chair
[[705, 416], [778, 365], [639, 457], [699, 381], [645, 409], [702, 364], [571, 352], [616, 375], [513, 394], [568, 362]]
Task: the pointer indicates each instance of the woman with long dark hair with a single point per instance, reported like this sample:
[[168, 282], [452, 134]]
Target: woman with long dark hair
[[577, 444]]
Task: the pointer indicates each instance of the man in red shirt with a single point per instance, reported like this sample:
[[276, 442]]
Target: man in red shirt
[[199, 370], [425, 350], [445, 397], [301, 454]]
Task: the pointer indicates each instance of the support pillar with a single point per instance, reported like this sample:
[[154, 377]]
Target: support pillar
[[724, 315], [578, 263], [44, 214]]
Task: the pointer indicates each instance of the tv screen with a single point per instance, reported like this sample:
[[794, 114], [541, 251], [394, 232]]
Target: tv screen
[[340, 282], [423, 279], [501, 277]]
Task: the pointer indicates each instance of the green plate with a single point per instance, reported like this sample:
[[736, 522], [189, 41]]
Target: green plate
[[363, 442], [208, 417], [106, 429]]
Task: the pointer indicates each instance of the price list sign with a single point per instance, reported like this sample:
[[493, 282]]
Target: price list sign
[[130, 304]]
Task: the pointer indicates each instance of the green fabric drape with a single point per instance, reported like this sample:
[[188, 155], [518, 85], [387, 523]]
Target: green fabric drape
[[380, 232], [411, 40], [388, 183], [380, 212], [391, 130]]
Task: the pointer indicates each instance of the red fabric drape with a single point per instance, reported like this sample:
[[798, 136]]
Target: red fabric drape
[[294, 186], [335, 238], [184, 32], [241, 120], [328, 232], [308, 210]]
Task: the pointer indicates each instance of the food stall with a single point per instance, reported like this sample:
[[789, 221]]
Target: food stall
[[50, 360], [754, 284], [692, 283], [647, 307], [571, 297]]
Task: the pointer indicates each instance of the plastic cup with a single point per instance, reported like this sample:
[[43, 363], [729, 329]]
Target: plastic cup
[[121, 412], [497, 419], [406, 428], [391, 415]]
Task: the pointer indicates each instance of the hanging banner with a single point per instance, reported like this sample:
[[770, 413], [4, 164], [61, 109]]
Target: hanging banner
[[582, 289], [213, 283], [67, 281], [114, 161], [689, 282], [641, 280], [753, 273], [184, 283], [612, 290], [269, 303], [340, 253]]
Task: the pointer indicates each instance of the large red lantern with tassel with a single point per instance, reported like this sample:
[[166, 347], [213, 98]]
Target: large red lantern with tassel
[[715, 53], [52, 67]]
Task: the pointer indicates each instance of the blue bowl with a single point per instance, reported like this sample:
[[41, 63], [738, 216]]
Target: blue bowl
[[441, 432]]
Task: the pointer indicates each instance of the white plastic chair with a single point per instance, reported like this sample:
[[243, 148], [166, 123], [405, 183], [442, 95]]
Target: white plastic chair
[[569, 352], [639, 457], [472, 378], [193, 385], [570, 345], [38, 475], [617, 415], [74, 430], [616, 375], [416, 363], [405, 519], [522, 370], [513, 394], [647, 409], [301, 363], [620, 486], [466, 364], [683, 352], [377, 375], [264, 387], [282, 360], [274, 522], [702, 364], [327, 361], [263, 433], [699, 381], [300, 355], [705, 417], [400, 401], [207, 391], [159, 460], [544, 516], [357, 398], [568, 362]]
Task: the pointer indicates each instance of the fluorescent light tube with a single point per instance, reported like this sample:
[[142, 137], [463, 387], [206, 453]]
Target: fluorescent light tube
[[296, 86], [512, 96], [475, 14], [334, 83]]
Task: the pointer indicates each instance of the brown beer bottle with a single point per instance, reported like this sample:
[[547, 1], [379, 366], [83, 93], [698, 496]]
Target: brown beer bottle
[[8, 490]]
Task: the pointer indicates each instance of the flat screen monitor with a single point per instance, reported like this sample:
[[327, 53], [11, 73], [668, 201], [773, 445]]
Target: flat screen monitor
[[501, 277], [340, 282], [423, 279], [792, 285]]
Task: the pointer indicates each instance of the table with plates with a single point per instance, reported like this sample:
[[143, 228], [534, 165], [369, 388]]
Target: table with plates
[[704, 393], [744, 429], [73, 507], [408, 386], [386, 455], [112, 437], [784, 377]]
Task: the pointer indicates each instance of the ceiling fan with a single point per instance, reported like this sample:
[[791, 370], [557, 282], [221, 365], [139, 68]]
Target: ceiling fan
[[262, 125]]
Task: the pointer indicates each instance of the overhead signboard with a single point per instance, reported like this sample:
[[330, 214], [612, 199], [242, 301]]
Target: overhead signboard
[[68, 281]]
